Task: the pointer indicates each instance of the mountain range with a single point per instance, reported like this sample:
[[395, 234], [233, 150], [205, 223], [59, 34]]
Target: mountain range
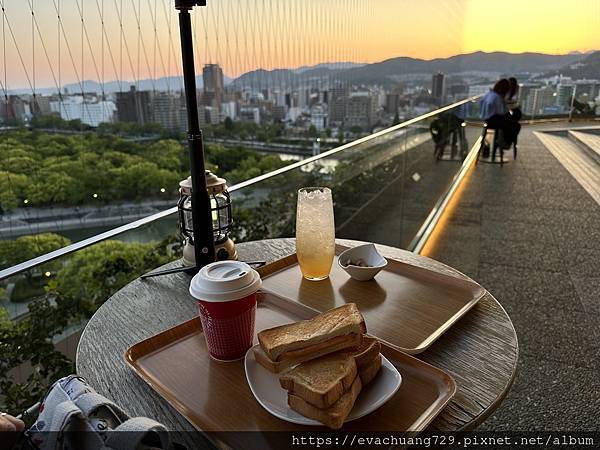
[[391, 70], [387, 72], [588, 67]]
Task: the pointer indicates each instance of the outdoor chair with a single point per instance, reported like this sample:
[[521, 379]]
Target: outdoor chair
[[494, 145]]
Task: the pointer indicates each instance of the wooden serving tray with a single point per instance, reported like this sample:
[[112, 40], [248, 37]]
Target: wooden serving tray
[[215, 397], [406, 306]]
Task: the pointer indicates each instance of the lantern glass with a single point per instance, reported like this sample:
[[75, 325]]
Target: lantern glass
[[222, 219], [187, 214]]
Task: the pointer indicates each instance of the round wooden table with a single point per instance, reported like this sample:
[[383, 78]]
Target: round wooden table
[[480, 351]]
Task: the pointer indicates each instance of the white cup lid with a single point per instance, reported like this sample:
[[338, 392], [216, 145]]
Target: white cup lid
[[224, 281]]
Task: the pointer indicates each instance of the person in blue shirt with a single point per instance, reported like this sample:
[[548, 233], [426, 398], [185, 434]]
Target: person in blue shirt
[[493, 110]]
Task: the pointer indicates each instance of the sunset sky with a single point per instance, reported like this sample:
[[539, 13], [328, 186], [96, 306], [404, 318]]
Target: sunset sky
[[242, 35]]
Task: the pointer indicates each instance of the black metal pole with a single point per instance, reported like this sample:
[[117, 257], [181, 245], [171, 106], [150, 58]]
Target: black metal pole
[[204, 246]]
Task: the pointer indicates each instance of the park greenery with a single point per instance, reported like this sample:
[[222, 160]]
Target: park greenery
[[42, 168], [29, 361], [230, 129], [21, 249], [53, 122], [45, 169]]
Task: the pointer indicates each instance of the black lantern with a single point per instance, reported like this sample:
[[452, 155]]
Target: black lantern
[[222, 219]]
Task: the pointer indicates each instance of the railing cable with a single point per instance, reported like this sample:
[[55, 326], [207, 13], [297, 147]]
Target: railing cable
[[62, 29], [52, 72], [10, 30]]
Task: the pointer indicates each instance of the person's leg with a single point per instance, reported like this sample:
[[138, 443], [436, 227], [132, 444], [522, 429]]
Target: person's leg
[[498, 123], [454, 143], [517, 131], [513, 128]]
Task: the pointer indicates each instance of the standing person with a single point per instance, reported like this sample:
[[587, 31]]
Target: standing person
[[493, 110]]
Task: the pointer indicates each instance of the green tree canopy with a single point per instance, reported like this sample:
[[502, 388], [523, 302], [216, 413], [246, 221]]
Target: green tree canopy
[[356, 130], [93, 274], [27, 247], [39, 168]]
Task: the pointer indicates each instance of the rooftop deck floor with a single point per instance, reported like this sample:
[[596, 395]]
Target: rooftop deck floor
[[530, 233]]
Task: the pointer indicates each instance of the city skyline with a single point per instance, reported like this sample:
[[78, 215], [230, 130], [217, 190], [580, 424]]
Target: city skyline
[[284, 35]]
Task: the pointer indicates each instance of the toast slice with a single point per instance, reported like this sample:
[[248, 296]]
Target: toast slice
[[294, 358], [297, 338], [368, 372], [336, 414], [322, 381], [368, 359], [367, 352]]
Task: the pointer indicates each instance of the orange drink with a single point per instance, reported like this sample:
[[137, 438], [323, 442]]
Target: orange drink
[[315, 232]]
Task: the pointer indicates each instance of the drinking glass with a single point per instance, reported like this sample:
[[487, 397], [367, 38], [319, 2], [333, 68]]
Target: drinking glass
[[315, 232]]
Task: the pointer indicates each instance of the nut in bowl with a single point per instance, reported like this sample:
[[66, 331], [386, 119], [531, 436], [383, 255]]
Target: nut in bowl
[[362, 263]]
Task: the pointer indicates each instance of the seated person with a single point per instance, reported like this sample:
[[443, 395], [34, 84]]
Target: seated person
[[447, 128], [493, 111], [514, 109]]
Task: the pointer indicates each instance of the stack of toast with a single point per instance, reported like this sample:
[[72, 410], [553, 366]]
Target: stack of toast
[[324, 362]]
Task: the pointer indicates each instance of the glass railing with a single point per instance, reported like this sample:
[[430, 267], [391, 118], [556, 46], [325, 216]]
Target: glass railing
[[555, 103], [385, 187], [45, 308]]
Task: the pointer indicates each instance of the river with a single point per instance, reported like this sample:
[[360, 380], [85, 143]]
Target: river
[[154, 231]]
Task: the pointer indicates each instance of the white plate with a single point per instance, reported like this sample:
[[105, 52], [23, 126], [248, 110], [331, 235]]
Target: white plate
[[269, 393]]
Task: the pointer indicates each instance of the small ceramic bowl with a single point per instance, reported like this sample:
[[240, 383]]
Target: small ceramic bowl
[[366, 253]]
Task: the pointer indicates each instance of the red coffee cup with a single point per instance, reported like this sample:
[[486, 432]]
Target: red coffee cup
[[226, 295]]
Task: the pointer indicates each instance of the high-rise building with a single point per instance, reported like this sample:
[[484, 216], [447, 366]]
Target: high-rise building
[[89, 110], [15, 108], [212, 76], [250, 114], [324, 97], [229, 109], [318, 116], [458, 91], [166, 110], [564, 95], [524, 91], [438, 87], [303, 97], [293, 114], [381, 97], [207, 99], [3, 110], [361, 110], [392, 102], [278, 113], [538, 100], [42, 103], [587, 89], [134, 106], [279, 98], [338, 99], [208, 115]]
